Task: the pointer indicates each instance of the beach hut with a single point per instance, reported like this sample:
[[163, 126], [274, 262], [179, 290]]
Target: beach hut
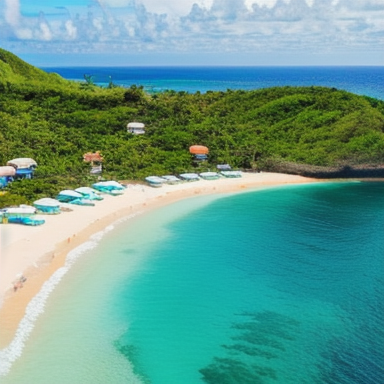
[[231, 174], [24, 214], [171, 179], [96, 160], [110, 187], [209, 175], [89, 193], [200, 152], [155, 181], [47, 205], [73, 197], [136, 128], [189, 176], [7, 173], [223, 167], [25, 167]]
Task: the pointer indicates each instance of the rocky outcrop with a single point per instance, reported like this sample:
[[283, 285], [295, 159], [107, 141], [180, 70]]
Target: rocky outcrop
[[341, 171]]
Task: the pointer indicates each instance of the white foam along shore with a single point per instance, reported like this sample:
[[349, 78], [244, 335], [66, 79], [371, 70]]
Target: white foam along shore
[[25, 249]]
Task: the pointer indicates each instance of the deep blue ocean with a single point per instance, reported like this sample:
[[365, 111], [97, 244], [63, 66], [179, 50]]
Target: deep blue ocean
[[368, 81]]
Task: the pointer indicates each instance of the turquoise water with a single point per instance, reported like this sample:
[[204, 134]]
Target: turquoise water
[[281, 285]]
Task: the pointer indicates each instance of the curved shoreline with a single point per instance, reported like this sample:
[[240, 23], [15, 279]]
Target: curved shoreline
[[39, 252]]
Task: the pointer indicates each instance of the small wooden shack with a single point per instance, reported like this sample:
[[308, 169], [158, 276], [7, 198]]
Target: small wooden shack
[[200, 152], [25, 167], [96, 160]]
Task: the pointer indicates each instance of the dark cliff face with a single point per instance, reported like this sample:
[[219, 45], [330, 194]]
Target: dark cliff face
[[361, 171]]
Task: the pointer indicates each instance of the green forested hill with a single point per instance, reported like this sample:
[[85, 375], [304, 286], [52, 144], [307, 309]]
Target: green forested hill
[[12, 70], [56, 121]]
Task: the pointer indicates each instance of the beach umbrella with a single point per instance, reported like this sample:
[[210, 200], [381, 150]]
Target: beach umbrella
[[189, 176], [71, 193], [47, 205], [89, 193], [108, 185], [198, 150]]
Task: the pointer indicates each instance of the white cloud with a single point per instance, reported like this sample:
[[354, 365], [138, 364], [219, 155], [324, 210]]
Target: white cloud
[[114, 3], [174, 7], [71, 30], [24, 33], [200, 25], [45, 32], [12, 12]]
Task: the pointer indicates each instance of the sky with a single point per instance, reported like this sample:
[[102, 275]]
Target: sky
[[194, 32]]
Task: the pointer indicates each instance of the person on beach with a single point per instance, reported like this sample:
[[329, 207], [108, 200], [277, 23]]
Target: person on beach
[[19, 283]]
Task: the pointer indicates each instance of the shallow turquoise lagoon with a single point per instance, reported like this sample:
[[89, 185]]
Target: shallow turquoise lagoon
[[282, 285]]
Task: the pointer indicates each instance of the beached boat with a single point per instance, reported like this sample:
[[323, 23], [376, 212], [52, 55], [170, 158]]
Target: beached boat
[[209, 175], [155, 181], [171, 179], [73, 197], [89, 193], [110, 187], [189, 176], [47, 205], [231, 174]]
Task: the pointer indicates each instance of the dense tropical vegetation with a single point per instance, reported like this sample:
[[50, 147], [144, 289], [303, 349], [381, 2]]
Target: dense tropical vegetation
[[56, 121]]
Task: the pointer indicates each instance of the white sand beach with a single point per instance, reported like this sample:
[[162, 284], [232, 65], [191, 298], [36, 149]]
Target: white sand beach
[[37, 252]]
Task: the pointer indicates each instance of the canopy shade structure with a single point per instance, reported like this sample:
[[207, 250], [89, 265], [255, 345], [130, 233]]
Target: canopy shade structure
[[136, 128], [71, 193], [48, 202], [111, 184], [209, 175], [85, 190], [198, 150], [111, 187], [171, 179], [189, 176], [231, 174], [155, 181], [19, 211], [73, 197], [223, 167], [89, 193], [47, 205], [7, 170], [22, 162], [91, 157]]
